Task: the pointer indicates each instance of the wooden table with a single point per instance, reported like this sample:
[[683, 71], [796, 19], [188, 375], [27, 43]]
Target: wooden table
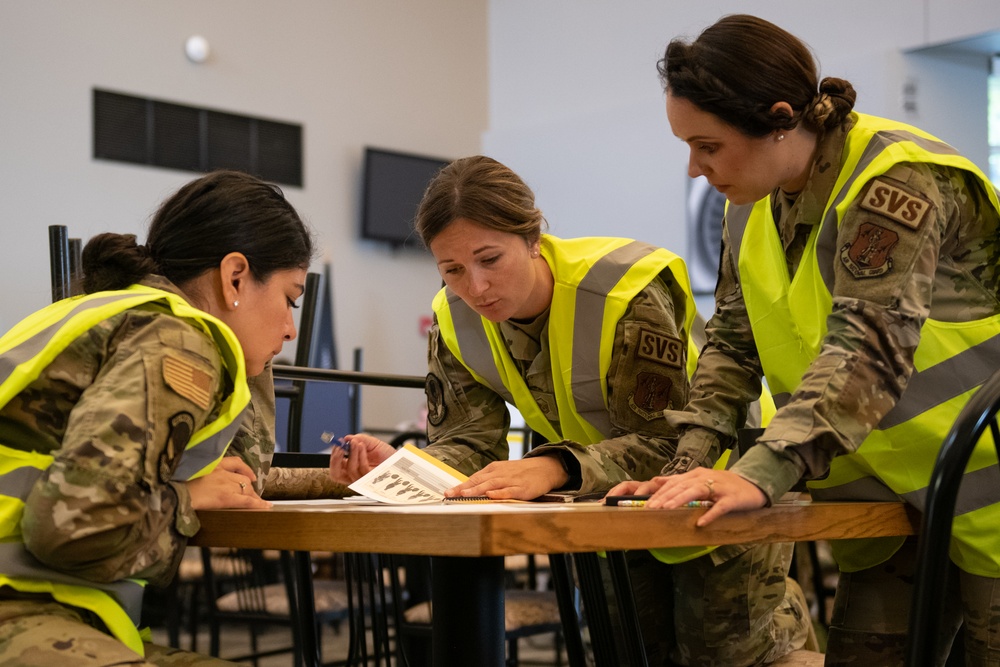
[[469, 542]]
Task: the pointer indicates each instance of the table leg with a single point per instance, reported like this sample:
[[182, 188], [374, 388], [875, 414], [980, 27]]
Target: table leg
[[468, 626]]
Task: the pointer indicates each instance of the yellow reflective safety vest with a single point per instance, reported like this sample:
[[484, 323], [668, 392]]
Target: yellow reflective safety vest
[[25, 351], [595, 278], [788, 315]]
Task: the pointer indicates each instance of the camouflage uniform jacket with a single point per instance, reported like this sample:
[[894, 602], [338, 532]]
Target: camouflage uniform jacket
[[947, 268], [468, 422], [116, 423]]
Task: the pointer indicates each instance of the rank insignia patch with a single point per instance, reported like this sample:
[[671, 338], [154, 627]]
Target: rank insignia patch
[[895, 203], [662, 349], [870, 254], [651, 395]]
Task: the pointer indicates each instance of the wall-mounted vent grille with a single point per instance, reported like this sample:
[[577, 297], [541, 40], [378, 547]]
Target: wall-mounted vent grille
[[163, 134]]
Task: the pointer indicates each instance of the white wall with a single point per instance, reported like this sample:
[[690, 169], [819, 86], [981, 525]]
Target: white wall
[[401, 75], [577, 109], [565, 91]]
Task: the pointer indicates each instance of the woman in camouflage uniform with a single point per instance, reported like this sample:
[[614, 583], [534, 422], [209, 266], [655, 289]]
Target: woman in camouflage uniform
[[861, 276], [591, 339], [116, 408]]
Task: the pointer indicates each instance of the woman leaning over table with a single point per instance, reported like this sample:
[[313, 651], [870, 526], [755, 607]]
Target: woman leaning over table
[[116, 408], [861, 276], [589, 338]]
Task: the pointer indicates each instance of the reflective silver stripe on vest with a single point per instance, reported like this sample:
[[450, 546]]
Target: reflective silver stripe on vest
[[826, 243], [736, 221], [935, 385], [865, 488], [208, 450], [591, 295], [24, 351], [978, 489], [15, 561], [18, 482], [474, 345]]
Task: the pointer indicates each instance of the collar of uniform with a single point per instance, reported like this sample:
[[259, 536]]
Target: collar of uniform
[[159, 282], [524, 339]]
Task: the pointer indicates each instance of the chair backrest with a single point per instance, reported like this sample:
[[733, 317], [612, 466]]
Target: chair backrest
[[242, 586], [327, 402], [295, 391], [978, 417], [314, 409]]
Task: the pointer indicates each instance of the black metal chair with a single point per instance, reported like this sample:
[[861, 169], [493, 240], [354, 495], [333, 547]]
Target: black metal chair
[[978, 417]]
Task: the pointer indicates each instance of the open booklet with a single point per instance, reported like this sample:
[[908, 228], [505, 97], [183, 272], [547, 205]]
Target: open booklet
[[411, 476]]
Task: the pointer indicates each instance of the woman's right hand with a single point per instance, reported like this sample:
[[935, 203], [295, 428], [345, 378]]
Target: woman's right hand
[[357, 455]]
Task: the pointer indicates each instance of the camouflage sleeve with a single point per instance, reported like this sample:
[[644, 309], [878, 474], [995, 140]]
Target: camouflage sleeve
[[883, 273], [254, 442], [467, 423], [726, 381], [303, 484], [106, 508], [647, 375]]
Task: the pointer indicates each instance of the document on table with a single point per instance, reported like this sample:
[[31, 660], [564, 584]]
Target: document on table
[[408, 477]]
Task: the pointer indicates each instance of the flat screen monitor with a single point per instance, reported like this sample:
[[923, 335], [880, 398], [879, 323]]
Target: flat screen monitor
[[393, 185]]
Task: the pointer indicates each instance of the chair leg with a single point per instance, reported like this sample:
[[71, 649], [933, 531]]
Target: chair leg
[[213, 639], [253, 644], [595, 607], [627, 612], [511, 653], [562, 582]]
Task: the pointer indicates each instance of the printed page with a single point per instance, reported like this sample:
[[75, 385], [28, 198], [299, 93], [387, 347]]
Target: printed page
[[408, 477]]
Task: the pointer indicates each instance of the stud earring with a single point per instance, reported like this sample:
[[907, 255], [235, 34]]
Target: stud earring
[[235, 304], [781, 137]]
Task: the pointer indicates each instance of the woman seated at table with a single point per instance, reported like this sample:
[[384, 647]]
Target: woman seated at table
[[116, 409], [589, 338]]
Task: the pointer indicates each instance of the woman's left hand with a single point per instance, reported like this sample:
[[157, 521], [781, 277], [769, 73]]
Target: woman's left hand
[[728, 492], [524, 479], [229, 485]]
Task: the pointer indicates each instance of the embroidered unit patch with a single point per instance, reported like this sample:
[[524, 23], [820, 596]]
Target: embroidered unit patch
[[870, 254], [181, 429], [895, 203], [651, 395], [436, 410], [661, 349]]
